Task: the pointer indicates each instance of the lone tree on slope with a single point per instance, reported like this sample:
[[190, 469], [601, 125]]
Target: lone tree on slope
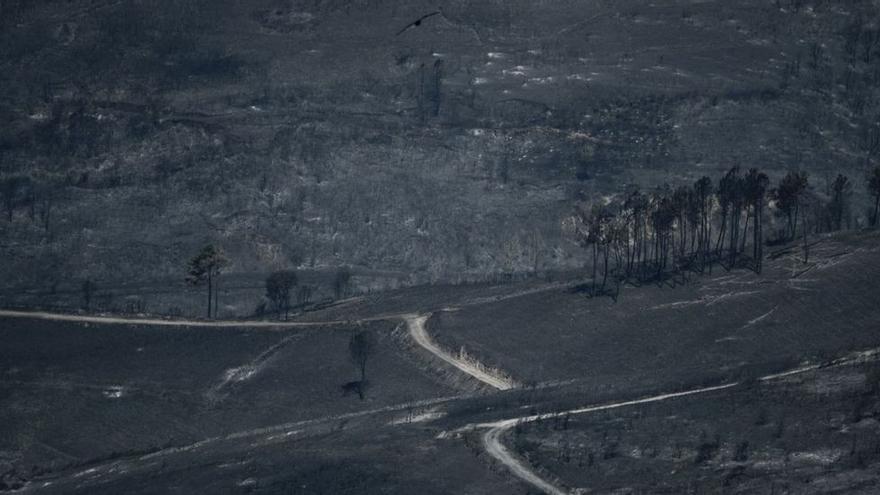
[[361, 347], [278, 290], [204, 268]]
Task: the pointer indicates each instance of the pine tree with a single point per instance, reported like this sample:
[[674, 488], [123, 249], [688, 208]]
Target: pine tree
[[204, 268]]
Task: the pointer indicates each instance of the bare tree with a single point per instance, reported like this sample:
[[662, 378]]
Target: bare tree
[[341, 281], [730, 199], [870, 138], [278, 290], [874, 190], [680, 206], [204, 268], [436, 89], [841, 190], [755, 192], [662, 220], [304, 294], [589, 228], [788, 197], [636, 204], [361, 348], [703, 192]]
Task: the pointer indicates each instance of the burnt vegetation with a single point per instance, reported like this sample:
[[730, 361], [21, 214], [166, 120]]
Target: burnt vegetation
[[665, 234], [318, 176]]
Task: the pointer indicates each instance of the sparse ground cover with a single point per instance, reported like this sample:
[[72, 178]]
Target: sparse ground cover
[[378, 459], [725, 322], [426, 298], [817, 432], [71, 393], [280, 151]]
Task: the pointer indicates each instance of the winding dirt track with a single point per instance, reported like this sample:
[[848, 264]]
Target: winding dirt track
[[495, 447], [492, 439], [416, 325]]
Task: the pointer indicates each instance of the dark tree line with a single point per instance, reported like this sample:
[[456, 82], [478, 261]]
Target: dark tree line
[[664, 233]]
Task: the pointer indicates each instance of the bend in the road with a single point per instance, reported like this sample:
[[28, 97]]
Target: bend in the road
[[495, 447], [416, 326]]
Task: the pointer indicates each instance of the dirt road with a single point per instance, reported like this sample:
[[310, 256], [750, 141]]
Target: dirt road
[[495, 447], [496, 430], [416, 326], [136, 320]]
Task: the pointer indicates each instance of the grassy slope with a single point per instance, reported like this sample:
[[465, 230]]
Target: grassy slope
[[814, 433], [57, 382], [675, 333]]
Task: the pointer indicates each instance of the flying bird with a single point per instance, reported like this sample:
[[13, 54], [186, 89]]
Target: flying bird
[[417, 22]]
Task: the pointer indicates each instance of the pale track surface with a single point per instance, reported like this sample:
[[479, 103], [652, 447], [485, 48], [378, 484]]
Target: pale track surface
[[106, 470], [495, 447], [117, 320], [168, 322], [492, 439], [416, 326]]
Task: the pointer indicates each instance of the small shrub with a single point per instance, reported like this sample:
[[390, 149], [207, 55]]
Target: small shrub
[[707, 449], [610, 451], [780, 428], [741, 453], [761, 419]]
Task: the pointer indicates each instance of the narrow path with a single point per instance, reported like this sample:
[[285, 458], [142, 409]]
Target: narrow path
[[246, 371], [513, 295], [416, 325], [126, 320], [496, 430], [183, 322], [495, 447]]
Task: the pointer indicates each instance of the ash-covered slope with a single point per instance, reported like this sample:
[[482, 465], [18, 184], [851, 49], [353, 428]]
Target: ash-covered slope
[[322, 133]]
